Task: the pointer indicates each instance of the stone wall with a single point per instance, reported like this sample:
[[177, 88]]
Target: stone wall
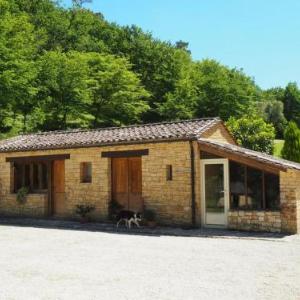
[[286, 220], [290, 201], [170, 199], [219, 133], [35, 206], [255, 220]]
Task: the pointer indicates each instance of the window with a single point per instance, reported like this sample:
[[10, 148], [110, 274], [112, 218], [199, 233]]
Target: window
[[33, 175], [252, 188], [86, 172], [237, 186], [272, 191], [169, 172]]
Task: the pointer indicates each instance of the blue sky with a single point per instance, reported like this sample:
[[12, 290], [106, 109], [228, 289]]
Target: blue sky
[[260, 36]]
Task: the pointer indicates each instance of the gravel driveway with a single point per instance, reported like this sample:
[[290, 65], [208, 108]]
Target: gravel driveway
[[37, 263]]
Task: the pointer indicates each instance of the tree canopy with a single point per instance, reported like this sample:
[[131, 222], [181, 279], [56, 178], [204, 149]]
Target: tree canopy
[[69, 68]]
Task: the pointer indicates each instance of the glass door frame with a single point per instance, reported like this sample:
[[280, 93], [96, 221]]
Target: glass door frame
[[225, 163]]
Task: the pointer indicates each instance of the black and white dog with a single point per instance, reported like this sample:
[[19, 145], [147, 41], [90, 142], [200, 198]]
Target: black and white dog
[[129, 217]]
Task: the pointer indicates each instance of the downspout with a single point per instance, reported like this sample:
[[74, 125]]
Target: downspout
[[193, 203]]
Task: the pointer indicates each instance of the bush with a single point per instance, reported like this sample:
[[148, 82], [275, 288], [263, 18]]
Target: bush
[[253, 132], [84, 209], [22, 194], [114, 207]]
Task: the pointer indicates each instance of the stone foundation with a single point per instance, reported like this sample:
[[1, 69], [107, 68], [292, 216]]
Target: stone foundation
[[269, 221]]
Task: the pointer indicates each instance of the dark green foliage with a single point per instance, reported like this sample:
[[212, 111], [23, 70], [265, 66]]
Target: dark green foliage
[[22, 195], [253, 132], [117, 97], [84, 209], [291, 147], [273, 113], [67, 68], [292, 103], [63, 90], [114, 208]]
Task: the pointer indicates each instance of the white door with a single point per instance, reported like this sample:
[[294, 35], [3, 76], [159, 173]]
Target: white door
[[215, 192]]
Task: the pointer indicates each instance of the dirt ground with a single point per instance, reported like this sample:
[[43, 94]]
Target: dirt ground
[[40, 263]]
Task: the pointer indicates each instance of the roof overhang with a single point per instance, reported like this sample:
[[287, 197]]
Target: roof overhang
[[248, 157]]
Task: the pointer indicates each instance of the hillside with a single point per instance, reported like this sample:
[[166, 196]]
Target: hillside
[[68, 68]]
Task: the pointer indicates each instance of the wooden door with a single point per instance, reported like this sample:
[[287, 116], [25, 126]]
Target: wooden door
[[120, 181], [135, 184], [127, 182], [58, 194]]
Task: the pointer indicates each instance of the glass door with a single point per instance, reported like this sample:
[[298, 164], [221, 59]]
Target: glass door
[[215, 192]]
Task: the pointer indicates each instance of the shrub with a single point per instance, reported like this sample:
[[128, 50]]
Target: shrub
[[114, 207], [253, 132], [22, 194], [84, 209]]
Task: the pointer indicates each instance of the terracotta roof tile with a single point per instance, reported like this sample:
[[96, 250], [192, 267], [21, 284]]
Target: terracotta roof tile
[[115, 135]]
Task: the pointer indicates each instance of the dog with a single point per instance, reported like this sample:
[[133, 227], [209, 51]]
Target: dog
[[129, 217]]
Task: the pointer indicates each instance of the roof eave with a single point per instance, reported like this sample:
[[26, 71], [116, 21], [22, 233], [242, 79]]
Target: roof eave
[[239, 157], [103, 144]]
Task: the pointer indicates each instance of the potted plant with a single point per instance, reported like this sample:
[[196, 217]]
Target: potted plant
[[83, 210], [114, 208], [150, 217], [22, 194]]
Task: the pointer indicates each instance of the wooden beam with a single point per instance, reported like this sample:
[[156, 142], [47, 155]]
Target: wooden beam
[[128, 153], [263, 191], [237, 157], [28, 159], [31, 185], [40, 177]]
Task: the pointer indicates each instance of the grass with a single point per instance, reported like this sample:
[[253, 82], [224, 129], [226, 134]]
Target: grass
[[278, 144]]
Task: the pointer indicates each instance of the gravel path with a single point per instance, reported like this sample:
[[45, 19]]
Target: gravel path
[[37, 263]]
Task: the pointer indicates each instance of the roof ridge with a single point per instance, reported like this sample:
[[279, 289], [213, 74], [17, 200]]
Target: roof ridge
[[120, 127]]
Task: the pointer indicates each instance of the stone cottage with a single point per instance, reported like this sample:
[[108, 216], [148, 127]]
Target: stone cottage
[[188, 172]]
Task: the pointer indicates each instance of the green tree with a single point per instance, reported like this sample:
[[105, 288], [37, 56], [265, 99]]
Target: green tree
[[252, 132], [272, 112], [158, 64], [208, 89], [291, 147], [18, 49], [292, 103], [273, 94], [118, 97], [79, 3], [63, 94]]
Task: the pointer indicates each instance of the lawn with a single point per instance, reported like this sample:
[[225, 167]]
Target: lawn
[[43, 263], [278, 144]]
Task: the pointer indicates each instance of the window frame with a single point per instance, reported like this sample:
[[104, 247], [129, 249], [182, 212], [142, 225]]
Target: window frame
[[169, 172], [28, 180], [263, 205], [84, 170]]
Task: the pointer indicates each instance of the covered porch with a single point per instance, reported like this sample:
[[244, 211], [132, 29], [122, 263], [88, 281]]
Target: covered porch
[[247, 190]]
